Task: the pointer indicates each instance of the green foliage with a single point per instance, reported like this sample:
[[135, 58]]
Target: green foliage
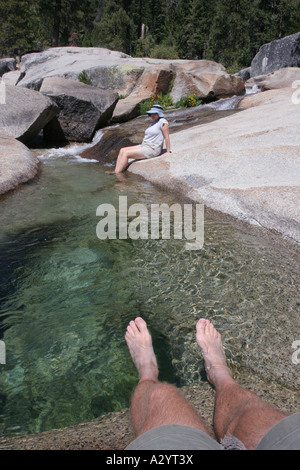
[[143, 47], [83, 77], [188, 102], [226, 31], [115, 30], [164, 100], [19, 28]]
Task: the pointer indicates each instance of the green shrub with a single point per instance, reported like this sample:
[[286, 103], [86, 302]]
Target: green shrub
[[188, 101], [163, 51], [164, 100], [83, 77]]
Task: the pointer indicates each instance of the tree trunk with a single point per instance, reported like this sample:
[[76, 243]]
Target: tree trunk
[[99, 11], [56, 25]]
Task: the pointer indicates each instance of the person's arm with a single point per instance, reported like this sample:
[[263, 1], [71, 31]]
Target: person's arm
[[165, 131]]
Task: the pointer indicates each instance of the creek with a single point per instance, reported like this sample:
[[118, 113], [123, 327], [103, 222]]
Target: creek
[[67, 297]]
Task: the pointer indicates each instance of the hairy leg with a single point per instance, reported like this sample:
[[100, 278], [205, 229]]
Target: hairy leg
[[155, 403], [237, 411]]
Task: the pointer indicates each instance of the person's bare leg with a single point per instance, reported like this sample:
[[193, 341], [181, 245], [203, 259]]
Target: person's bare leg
[[125, 154], [238, 411], [155, 403]]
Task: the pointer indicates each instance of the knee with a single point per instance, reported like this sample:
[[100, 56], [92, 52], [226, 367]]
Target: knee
[[123, 152], [163, 391]]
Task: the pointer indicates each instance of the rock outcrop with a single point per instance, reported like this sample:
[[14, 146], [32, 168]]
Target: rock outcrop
[[25, 113], [7, 65], [281, 78], [83, 109], [11, 78], [105, 67], [246, 165], [153, 81], [135, 79], [276, 55], [17, 163], [204, 78]]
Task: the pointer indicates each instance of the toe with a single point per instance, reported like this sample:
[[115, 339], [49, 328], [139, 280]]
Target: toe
[[201, 324], [141, 324], [132, 328]]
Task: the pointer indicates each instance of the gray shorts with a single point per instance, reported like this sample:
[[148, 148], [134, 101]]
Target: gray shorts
[[285, 435], [149, 151]]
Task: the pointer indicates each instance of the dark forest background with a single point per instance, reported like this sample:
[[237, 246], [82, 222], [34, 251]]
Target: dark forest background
[[227, 31]]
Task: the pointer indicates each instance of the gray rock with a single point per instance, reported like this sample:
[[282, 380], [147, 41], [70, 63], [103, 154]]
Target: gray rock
[[282, 78], [276, 55], [204, 78], [11, 78], [25, 113], [107, 69], [136, 79], [17, 163], [7, 65], [83, 109], [244, 74]]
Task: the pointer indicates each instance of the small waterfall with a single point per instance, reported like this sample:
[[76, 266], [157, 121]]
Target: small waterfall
[[72, 151], [224, 104]]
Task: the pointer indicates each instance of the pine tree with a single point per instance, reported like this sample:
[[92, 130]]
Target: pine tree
[[19, 26], [60, 18], [193, 34], [115, 30]]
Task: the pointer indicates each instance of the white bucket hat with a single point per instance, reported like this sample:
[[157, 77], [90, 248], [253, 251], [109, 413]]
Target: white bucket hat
[[156, 109]]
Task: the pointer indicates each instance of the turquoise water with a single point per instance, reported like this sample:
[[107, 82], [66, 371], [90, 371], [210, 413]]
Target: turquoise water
[[67, 297]]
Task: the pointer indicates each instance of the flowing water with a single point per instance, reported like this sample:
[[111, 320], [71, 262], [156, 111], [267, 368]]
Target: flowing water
[[67, 297]]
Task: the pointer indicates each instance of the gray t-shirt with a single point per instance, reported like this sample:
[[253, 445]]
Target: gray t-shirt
[[154, 134]]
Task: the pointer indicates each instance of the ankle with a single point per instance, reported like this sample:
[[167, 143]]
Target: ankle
[[220, 377]]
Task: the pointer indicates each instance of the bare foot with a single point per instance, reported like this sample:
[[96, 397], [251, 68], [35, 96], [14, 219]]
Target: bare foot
[[139, 342], [210, 342]]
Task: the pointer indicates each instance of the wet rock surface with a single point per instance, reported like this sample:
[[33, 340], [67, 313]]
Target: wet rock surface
[[132, 132]]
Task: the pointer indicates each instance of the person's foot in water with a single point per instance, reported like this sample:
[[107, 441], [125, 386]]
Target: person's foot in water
[[139, 342], [210, 342]]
